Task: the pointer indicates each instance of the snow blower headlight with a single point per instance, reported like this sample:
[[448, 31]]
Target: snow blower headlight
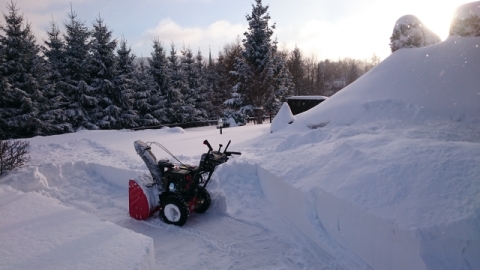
[[172, 187]]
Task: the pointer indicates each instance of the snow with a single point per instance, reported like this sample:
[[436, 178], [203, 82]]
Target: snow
[[39, 233], [382, 175], [283, 118], [467, 10]]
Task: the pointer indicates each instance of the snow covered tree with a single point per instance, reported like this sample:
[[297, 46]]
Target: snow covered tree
[[177, 86], [102, 72], [159, 96], [148, 100], [409, 32], [126, 83], [204, 91], [54, 51], [262, 73], [55, 117], [76, 73], [22, 75], [221, 81], [465, 27], [194, 82]]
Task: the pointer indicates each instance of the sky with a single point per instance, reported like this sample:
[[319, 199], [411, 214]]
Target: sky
[[321, 29]]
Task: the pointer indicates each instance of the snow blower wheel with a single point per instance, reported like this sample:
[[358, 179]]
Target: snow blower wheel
[[174, 210], [203, 201], [177, 189]]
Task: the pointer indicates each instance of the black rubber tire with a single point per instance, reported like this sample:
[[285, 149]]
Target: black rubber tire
[[174, 210], [203, 201]]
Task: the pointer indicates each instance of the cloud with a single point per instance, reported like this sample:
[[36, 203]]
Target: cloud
[[215, 35]]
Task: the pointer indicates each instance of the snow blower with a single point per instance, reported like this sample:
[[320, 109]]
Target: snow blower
[[175, 190]]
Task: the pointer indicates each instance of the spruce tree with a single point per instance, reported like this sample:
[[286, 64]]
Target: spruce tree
[[177, 87], [102, 72], [148, 101], [204, 90], [159, 97], [55, 116], [76, 74], [126, 83], [263, 79], [296, 68], [190, 92], [22, 72]]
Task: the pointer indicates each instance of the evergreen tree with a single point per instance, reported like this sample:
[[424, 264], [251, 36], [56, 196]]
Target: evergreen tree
[[203, 102], [22, 72], [177, 87], [147, 98], [102, 73], [126, 83], [222, 80], [194, 83], [160, 97], [55, 116], [296, 68], [263, 78], [76, 74], [409, 32]]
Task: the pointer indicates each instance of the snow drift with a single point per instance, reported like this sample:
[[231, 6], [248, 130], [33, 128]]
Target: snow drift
[[74, 240], [437, 82], [390, 163]]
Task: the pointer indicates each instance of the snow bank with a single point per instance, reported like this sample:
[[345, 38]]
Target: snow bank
[[39, 233], [419, 84]]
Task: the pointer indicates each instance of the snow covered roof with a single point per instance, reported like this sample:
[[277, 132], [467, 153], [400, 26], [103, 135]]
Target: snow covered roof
[[308, 97]]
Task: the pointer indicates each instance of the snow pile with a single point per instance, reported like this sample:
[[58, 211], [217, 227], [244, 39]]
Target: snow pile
[[49, 235], [283, 118], [388, 167], [409, 32], [437, 82], [466, 21]]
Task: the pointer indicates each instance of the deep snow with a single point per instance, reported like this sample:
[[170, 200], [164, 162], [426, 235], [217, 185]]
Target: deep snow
[[384, 174]]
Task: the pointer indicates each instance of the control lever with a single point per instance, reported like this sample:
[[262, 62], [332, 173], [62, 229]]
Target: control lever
[[228, 144], [210, 149], [220, 148]]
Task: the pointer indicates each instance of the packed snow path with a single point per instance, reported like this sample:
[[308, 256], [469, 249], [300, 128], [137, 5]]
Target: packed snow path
[[241, 230]]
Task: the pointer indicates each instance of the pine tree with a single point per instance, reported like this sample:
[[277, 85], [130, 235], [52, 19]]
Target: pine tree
[[102, 72], [55, 116], [204, 91], [296, 68], [159, 97], [176, 87], [193, 83], [126, 82], [409, 32], [22, 72], [263, 79], [76, 74], [148, 101], [222, 81]]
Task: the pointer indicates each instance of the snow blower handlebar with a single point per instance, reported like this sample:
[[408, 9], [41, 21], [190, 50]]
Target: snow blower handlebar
[[210, 149]]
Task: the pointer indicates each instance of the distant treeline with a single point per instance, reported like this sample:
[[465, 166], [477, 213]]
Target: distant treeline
[[83, 78]]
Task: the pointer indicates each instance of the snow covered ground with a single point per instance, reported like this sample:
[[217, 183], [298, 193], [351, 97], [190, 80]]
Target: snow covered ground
[[384, 174]]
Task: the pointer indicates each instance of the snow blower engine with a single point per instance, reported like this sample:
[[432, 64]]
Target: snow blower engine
[[177, 189]]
